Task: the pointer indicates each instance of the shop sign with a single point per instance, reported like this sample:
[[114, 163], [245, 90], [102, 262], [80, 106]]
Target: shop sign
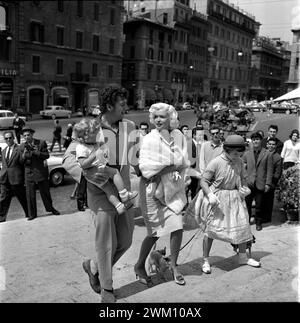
[[7, 72]]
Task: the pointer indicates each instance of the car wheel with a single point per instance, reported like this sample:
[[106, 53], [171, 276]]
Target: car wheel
[[287, 112], [53, 116], [56, 177]]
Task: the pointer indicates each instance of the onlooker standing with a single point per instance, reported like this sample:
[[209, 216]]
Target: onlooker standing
[[56, 135], [277, 171], [272, 133], [18, 124], [144, 129], [259, 166], [291, 150], [210, 149], [34, 153], [11, 177]]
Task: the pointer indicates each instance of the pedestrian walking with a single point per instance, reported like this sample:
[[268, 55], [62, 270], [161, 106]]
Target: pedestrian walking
[[56, 135], [34, 154], [11, 177], [259, 167], [18, 124], [68, 136], [291, 150], [162, 190], [219, 207], [113, 232]]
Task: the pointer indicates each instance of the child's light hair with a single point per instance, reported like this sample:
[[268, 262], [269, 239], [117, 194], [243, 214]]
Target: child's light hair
[[169, 109], [85, 127]]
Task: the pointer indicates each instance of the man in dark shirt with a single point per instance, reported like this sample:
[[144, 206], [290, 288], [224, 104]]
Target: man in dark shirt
[[18, 125]]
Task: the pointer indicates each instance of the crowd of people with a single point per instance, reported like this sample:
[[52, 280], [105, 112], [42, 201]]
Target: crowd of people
[[180, 171]]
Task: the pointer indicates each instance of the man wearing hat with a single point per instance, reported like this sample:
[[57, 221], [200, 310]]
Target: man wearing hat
[[34, 153], [259, 166]]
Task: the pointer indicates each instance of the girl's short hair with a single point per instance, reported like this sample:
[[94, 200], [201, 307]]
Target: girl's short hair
[[294, 131], [84, 127], [169, 109]]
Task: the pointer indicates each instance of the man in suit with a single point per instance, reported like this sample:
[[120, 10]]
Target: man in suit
[[277, 171], [18, 124], [11, 177], [259, 167], [34, 153], [272, 133]]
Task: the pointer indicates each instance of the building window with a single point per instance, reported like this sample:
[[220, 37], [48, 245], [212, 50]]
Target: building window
[[60, 5], [170, 57], [167, 74], [36, 3], [95, 43], [150, 53], [60, 36], [160, 55], [151, 37], [78, 66], [170, 41], [37, 32], [96, 11], [79, 8], [149, 72], [110, 71], [59, 66], [158, 75], [94, 69], [79, 39], [165, 18], [132, 51], [35, 64], [111, 46], [112, 16], [175, 56], [216, 31]]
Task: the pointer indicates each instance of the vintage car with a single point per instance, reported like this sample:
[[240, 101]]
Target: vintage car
[[6, 119], [55, 111]]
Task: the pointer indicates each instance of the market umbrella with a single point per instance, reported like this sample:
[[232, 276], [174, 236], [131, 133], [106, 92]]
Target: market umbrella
[[295, 94]]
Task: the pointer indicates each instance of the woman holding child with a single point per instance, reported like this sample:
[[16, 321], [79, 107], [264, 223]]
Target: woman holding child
[[162, 163]]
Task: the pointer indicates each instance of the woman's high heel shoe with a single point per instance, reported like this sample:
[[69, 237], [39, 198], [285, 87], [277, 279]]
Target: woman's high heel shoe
[[179, 279], [142, 277]]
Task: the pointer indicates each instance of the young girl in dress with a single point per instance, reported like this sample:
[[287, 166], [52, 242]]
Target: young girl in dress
[[92, 154]]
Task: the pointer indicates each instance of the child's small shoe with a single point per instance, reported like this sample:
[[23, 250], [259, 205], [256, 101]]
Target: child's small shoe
[[121, 208], [129, 196]]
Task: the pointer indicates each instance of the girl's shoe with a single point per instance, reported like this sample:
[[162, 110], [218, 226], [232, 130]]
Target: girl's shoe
[[244, 260], [129, 196], [121, 209], [142, 277], [206, 267]]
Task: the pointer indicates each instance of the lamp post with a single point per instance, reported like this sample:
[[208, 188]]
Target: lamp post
[[191, 67], [240, 55], [211, 72]]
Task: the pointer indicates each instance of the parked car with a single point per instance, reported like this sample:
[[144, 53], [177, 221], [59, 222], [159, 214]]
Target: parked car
[[55, 111], [6, 119], [56, 170], [284, 107]]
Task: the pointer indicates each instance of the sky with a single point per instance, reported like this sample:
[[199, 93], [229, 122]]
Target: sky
[[277, 17]]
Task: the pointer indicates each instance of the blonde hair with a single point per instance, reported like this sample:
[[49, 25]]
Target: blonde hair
[[169, 109], [85, 127]]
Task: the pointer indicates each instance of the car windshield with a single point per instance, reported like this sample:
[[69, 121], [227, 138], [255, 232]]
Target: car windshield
[[2, 114], [48, 108], [10, 114]]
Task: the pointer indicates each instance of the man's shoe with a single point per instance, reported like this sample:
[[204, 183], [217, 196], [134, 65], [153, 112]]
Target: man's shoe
[[206, 267], [94, 279], [55, 212], [31, 218], [252, 220], [258, 227]]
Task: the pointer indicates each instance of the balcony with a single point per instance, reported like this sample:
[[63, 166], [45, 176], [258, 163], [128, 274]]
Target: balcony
[[80, 78]]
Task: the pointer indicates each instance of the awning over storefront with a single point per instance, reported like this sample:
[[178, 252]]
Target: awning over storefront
[[149, 94], [61, 93], [168, 94]]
